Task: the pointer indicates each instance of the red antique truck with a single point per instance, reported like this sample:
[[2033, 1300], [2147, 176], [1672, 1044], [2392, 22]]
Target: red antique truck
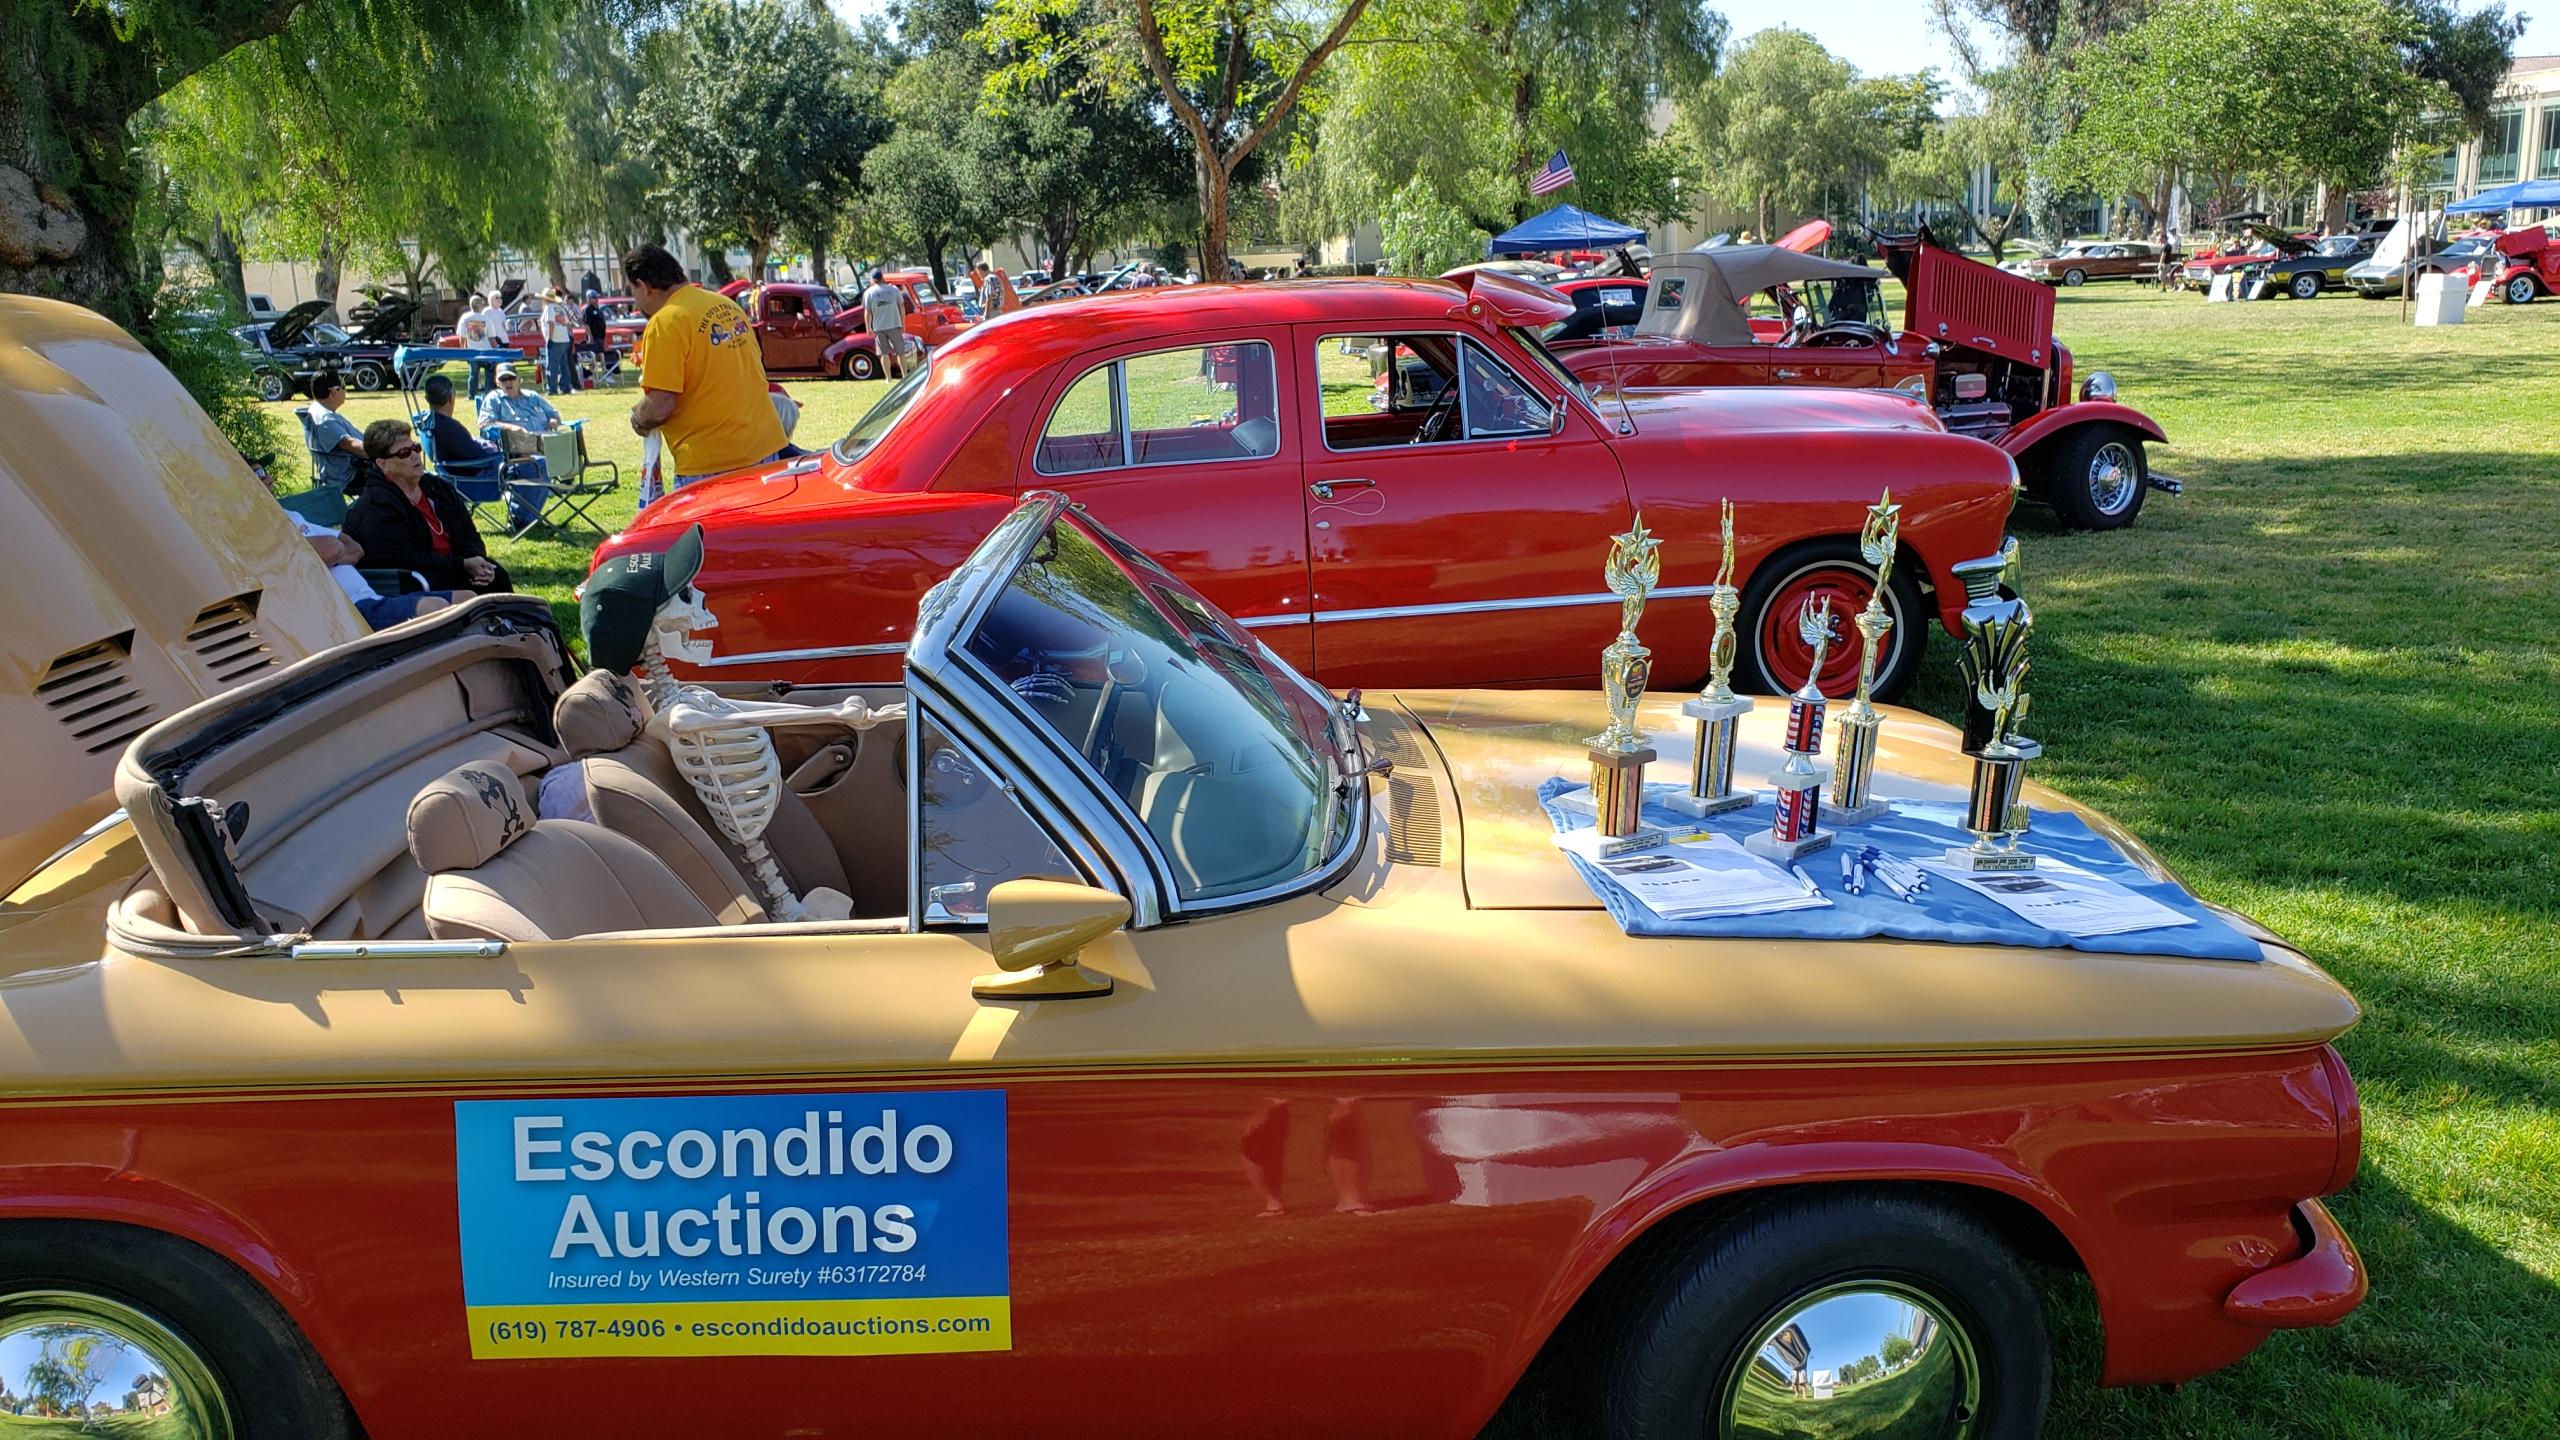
[[1453, 540], [1975, 343]]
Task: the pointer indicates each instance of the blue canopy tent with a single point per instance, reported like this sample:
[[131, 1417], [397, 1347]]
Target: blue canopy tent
[[2522, 195], [1566, 227]]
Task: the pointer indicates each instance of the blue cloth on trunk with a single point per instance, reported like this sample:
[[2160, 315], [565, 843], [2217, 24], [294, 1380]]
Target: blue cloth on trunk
[[1915, 830]]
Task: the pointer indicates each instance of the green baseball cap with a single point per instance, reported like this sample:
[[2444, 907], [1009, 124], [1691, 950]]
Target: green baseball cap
[[623, 595]]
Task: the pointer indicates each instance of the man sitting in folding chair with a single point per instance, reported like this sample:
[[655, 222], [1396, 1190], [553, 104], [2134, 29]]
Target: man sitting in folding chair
[[464, 458]]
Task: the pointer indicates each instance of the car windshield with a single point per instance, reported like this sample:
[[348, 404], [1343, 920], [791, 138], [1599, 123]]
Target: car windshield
[[875, 422], [1227, 757], [2337, 245], [1547, 361], [2473, 246]]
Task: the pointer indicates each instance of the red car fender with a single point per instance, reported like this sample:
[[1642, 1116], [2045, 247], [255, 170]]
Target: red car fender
[[2045, 424], [844, 345]]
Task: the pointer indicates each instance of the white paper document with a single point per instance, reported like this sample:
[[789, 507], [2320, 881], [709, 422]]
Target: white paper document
[[2064, 897], [1696, 878]]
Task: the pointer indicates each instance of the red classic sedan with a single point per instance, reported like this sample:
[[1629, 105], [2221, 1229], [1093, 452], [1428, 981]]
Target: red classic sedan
[[1454, 537]]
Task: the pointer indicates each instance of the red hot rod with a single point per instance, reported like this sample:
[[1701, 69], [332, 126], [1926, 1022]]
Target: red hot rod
[[1976, 343], [1453, 537]]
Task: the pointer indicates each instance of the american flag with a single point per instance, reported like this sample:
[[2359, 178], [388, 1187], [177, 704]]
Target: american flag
[[1557, 175]]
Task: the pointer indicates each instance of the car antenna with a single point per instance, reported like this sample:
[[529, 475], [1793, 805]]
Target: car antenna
[[1626, 417]]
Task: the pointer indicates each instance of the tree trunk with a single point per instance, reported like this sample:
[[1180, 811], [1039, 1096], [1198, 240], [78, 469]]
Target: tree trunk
[[1058, 240], [715, 264], [558, 267], [817, 259], [1214, 179], [325, 273], [933, 245], [758, 249], [66, 220], [222, 256], [2333, 208]]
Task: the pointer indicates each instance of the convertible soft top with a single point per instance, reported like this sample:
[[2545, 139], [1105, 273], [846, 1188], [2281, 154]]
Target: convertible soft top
[[1698, 296]]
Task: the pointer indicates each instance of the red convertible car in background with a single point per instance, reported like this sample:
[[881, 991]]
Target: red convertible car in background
[[1229, 431], [1976, 344]]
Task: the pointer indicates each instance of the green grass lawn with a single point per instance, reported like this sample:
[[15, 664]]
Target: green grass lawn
[[2323, 683]]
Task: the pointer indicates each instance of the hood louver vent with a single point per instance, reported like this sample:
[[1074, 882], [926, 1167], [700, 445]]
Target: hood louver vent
[[94, 698], [1413, 801], [226, 642]]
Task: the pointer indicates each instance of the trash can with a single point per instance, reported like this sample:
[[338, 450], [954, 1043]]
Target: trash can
[[2440, 299]]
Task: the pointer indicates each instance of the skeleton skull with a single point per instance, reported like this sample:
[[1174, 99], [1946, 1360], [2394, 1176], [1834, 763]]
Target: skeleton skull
[[679, 625]]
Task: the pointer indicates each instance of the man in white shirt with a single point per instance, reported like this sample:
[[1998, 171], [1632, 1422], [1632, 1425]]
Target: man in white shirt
[[885, 315], [340, 554], [559, 353]]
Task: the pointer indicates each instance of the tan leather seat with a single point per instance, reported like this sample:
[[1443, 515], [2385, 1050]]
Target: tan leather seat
[[495, 873], [634, 789]]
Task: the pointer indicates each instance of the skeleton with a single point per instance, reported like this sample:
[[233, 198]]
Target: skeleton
[[721, 748]]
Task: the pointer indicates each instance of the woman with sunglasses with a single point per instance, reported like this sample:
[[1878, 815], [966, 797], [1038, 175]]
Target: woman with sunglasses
[[407, 519]]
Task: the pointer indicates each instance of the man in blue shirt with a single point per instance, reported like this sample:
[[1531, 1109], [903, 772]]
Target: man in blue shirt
[[336, 443], [459, 452], [513, 407]]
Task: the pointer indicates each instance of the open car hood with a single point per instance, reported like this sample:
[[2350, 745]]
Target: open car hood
[[294, 326], [390, 317], [148, 569], [2286, 242]]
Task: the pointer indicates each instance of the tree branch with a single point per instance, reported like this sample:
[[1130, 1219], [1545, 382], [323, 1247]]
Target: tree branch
[[1151, 43], [1289, 96]]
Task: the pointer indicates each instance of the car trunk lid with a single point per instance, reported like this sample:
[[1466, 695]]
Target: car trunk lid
[[148, 569]]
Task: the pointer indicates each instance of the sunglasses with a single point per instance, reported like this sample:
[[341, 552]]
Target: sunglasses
[[506, 379], [403, 453]]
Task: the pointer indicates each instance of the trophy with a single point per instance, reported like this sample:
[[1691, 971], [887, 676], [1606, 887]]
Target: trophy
[[1717, 709], [1994, 663], [1797, 828], [1855, 768], [1618, 753]]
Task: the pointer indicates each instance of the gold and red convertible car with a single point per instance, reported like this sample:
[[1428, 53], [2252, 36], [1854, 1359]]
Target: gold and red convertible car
[[349, 1092], [1455, 540]]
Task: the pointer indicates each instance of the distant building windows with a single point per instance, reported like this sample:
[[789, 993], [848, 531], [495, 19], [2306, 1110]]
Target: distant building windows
[[2500, 146], [2548, 163]]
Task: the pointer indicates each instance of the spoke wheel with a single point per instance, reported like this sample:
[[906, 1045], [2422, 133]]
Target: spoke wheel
[[271, 386], [2096, 476]]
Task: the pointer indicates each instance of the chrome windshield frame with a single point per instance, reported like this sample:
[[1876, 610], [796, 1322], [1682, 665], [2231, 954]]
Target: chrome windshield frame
[[1058, 787]]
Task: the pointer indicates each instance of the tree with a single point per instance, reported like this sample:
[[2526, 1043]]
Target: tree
[[2306, 87], [605, 58], [1895, 1350], [920, 185], [1941, 168], [1784, 125], [760, 124], [1230, 72], [2468, 53], [1474, 96], [1424, 235], [75, 73], [70, 1363], [2040, 37]]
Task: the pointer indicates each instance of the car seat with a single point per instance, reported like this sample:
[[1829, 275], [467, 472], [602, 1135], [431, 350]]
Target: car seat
[[495, 873]]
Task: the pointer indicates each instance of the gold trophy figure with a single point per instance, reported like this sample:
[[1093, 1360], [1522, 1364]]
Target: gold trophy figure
[[1619, 753], [1854, 770], [1716, 709], [1995, 667], [1797, 827]]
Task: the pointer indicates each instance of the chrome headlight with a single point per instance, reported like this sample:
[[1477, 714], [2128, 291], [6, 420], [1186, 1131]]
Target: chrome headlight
[[2099, 386]]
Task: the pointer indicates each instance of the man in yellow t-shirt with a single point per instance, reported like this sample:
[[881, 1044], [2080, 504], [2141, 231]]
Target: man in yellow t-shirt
[[701, 373]]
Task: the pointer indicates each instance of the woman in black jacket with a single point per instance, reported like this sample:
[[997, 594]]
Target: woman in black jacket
[[407, 519]]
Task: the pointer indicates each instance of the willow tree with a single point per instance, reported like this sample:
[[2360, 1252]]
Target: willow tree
[[75, 74]]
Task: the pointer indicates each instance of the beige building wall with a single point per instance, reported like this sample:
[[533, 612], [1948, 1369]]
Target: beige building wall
[[2523, 139]]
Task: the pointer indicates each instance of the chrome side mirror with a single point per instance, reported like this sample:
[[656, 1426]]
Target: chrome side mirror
[[1038, 929]]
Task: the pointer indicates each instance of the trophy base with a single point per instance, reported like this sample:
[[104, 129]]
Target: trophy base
[[1702, 806], [1858, 814], [1967, 860], [1770, 847]]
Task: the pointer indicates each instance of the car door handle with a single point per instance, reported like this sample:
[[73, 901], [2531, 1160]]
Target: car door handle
[[1324, 488], [1785, 374]]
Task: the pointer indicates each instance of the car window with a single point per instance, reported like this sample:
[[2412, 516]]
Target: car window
[[866, 432], [824, 302], [1670, 291], [972, 834], [1497, 402], [1195, 405]]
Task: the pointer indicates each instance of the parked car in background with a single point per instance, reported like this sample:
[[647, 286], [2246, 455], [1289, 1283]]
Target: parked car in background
[[934, 320], [2076, 265], [1231, 431], [1204, 1054], [809, 330], [290, 351], [1976, 346], [2257, 244], [2527, 265], [2375, 280], [2323, 267]]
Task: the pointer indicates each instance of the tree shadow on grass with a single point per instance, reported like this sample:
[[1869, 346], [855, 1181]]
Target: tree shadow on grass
[[2455, 1339]]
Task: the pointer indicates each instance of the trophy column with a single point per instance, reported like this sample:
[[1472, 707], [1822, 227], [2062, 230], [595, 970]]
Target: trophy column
[[1618, 753], [1716, 709], [1994, 663], [1855, 769], [1797, 827]]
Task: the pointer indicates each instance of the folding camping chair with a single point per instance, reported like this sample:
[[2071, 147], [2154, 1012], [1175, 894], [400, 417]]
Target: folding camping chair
[[566, 492], [479, 482]]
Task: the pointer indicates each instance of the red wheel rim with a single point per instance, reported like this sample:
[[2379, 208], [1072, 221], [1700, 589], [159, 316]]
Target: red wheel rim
[[1786, 657]]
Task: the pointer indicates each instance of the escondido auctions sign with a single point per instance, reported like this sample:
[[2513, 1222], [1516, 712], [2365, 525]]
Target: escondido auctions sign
[[854, 1224]]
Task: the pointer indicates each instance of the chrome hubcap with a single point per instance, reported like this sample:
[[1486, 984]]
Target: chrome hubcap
[[2111, 476], [85, 1358], [1860, 1360]]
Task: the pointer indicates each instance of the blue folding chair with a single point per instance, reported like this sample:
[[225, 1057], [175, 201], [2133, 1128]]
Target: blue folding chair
[[480, 482]]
